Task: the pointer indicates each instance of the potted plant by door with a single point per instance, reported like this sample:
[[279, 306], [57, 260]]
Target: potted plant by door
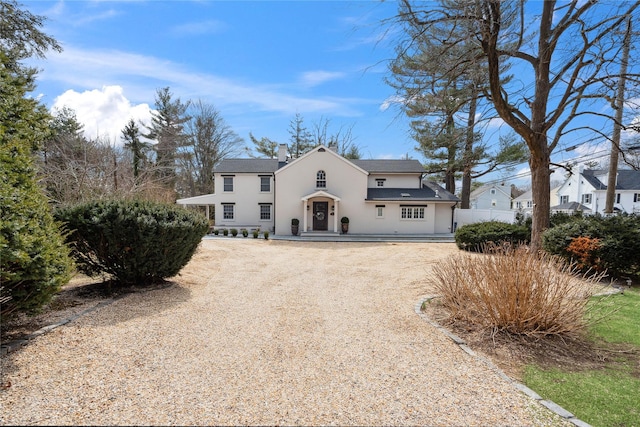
[[344, 221], [295, 223]]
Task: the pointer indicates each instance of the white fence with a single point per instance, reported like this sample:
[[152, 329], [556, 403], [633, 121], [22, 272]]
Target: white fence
[[469, 216]]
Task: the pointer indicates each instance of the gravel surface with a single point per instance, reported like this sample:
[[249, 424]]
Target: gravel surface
[[257, 332]]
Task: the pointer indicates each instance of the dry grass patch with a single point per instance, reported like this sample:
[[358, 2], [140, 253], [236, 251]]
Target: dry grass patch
[[515, 291]]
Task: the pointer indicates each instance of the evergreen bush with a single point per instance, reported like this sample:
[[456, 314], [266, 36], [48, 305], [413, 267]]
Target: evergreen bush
[[472, 237], [234, 232], [618, 245], [34, 262], [245, 233], [134, 242]]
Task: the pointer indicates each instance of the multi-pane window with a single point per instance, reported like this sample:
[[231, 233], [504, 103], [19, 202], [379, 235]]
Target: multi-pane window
[[529, 203], [564, 199], [380, 182], [518, 205], [412, 212], [586, 199], [636, 197], [379, 211], [265, 184], [321, 179], [228, 183], [228, 211], [265, 212]]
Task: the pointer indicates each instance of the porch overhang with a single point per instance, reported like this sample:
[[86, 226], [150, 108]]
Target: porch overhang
[[323, 194], [320, 193]]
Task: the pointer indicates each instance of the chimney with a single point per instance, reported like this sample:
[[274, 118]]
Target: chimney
[[282, 153]]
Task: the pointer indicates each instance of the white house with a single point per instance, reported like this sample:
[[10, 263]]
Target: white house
[[524, 202], [320, 187], [493, 196], [587, 190]]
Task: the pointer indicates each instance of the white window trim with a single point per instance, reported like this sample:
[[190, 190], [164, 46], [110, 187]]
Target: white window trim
[[224, 187], [417, 213], [233, 211], [270, 212], [379, 212]]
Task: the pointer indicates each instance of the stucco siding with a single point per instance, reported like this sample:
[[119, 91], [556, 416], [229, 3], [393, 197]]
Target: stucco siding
[[246, 198], [298, 179]]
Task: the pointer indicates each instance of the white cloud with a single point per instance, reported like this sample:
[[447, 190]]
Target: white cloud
[[104, 112], [141, 75], [315, 78], [199, 28]]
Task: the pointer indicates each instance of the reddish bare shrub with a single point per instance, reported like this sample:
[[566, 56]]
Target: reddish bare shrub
[[583, 249], [516, 291]]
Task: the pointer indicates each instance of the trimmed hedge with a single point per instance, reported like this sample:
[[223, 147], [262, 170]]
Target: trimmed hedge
[[134, 242], [472, 237], [618, 238]]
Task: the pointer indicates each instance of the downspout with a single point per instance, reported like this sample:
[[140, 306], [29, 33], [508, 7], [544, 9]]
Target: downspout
[[274, 203]]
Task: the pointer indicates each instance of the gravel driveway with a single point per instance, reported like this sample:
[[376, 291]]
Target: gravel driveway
[[269, 333]]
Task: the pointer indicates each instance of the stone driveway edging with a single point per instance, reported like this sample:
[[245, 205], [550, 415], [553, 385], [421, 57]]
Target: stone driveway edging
[[559, 410]]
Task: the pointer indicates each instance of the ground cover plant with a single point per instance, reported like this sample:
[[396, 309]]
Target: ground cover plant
[[605, 394]]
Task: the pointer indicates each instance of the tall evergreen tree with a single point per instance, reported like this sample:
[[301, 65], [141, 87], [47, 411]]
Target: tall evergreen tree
[[300, 140], [264, 146], [131, 136], [34, 262], [167, 129]]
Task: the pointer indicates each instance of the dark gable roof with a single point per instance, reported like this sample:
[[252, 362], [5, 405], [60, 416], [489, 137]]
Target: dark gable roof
[[426, 193], [389, 166], [627, 179], [247, 166], [271, 165]]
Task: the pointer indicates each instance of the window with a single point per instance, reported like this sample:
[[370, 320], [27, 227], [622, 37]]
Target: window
[[564, 199], [493, 202], [518, 205], [265, 212], [265, 184], [321, 180], [529, 203], [636, 197], [617, 197], [412, 212], [228, 211], [228, 183], [379, 211], [380, 182], [586, 199], [493, 191]]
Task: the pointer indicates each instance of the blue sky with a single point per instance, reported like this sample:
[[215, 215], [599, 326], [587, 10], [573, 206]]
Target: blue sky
[[258, 62]]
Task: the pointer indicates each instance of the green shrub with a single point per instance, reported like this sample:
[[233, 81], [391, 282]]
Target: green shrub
[[216, 231], [225, 231], [472, 237], [256, 233], [618, 242], [134, 242], [245, 233], [266, 235], [234, 232], [34, 262]]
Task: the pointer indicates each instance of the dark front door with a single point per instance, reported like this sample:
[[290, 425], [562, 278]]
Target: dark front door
[[320, 215]]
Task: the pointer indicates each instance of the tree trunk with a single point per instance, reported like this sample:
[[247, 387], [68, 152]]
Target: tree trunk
[[468, 151], [540, 188]]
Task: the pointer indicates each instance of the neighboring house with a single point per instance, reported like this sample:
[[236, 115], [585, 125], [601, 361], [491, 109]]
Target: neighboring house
[[320, 187], [587, 190], [524, 202], [494, 196]]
